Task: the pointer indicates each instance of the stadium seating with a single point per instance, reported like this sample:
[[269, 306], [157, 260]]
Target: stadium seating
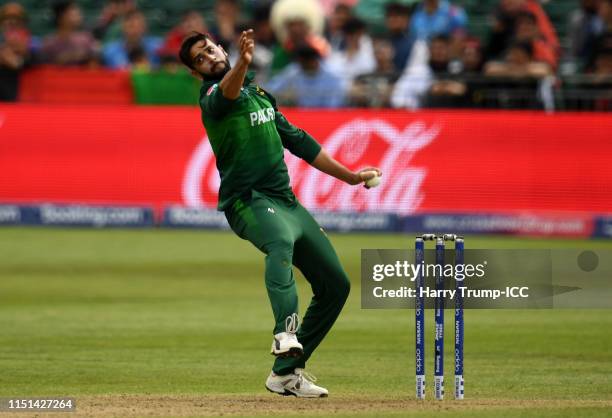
[[163, 14]]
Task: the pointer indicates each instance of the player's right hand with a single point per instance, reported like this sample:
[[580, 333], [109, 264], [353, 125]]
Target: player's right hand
[[246, 44], [366, 174]]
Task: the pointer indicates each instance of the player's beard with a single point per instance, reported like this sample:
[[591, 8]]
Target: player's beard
[[219, 71]]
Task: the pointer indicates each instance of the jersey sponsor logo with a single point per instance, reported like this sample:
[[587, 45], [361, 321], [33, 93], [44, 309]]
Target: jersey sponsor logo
[[262, 116], [211, 89]]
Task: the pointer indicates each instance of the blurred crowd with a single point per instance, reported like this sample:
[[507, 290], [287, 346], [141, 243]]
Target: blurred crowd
[[319, 53]]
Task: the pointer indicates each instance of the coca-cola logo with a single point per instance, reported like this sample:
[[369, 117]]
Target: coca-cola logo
[[356, 144]]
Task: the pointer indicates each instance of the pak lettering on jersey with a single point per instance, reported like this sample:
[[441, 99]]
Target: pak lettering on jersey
[[262, 116]]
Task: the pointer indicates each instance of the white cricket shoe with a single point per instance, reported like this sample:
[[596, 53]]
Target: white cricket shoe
[[299, 384], [286, 344]]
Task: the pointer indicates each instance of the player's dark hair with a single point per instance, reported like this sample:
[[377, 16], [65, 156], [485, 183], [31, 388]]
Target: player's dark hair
[[188, 43]]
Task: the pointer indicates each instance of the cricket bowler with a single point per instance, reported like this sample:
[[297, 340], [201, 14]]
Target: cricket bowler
[[248, 135]]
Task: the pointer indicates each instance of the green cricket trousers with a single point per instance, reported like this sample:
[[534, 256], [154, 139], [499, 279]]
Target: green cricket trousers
[[289, 235]]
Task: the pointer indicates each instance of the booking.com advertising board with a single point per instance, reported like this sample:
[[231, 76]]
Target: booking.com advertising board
[[463, 171]]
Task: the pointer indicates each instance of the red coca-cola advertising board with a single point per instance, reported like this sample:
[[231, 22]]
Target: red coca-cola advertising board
[[434, 161]]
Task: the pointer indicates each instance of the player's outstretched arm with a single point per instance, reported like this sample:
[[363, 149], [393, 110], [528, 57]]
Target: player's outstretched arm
[[327, 164], [232, 82], [304, 146]]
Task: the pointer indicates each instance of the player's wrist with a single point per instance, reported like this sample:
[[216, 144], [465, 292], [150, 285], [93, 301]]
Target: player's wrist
[[353, 178], [243, 63]]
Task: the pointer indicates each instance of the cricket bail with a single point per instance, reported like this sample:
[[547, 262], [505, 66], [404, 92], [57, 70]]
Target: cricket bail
[[458, 386]]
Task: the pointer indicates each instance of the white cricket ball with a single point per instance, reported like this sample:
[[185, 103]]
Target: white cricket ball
[[374, 181]]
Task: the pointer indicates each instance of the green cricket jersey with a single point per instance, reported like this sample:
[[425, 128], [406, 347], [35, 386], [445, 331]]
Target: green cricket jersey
[[248, 136]]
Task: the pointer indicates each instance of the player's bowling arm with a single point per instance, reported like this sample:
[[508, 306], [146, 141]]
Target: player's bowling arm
[[296, 140], [328, 165], [232, 82], [301, 144]]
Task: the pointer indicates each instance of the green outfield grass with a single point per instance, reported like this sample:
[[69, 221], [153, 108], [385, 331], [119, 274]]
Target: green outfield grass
[[167, 316]]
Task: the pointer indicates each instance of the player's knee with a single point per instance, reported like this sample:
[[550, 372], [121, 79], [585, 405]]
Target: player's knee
[[281, 249], [346, 287], [343, 287]]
